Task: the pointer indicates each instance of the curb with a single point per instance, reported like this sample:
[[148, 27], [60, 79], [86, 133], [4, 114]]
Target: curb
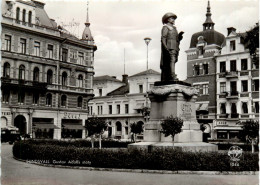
[[147, 171]]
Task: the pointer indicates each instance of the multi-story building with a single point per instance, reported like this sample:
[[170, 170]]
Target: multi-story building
[[201, 70], [122, 103], [46, 75], [237, 86]]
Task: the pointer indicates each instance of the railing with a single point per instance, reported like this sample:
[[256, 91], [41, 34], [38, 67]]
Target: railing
[[232, 74], [70, 88], [7, 80]]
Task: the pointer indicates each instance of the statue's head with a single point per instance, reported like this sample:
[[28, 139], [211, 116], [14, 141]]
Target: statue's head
[[167, 16]]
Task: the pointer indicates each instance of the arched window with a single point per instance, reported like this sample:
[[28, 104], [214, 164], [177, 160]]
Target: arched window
[[80, 81], [49, 100], [21, 72], [118, 126], [24, 14], [64, 79], [30, 17], [49, 76], [6, 69], [63, 100], [17, 13], [80, 102], [36, 74]]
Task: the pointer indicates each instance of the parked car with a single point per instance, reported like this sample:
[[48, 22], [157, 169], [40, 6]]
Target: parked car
[[10, 135]]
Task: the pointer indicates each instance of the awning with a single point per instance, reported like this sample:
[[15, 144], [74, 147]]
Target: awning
[[73, 126], [44, 125], [228, 128], [9, 127], [197, 105], [204, 107], [139, 106]]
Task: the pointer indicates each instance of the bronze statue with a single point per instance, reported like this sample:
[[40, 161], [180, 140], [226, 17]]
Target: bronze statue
[[170, 47]]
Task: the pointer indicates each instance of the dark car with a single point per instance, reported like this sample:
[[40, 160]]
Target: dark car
[[10, 136]]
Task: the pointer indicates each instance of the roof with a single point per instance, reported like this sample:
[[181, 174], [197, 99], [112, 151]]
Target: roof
[[243, 35], [106, 78], [210, 36], [147, 72], [120, 91]]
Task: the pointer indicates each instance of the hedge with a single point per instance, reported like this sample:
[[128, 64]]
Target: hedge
[[79, 143], [169, 159]]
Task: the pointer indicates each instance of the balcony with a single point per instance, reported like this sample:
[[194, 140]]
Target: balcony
[[232, 74], [233, 95], [70, 88], [233, 117], [11, 83]]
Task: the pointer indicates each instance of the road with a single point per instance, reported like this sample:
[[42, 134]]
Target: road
[[20, 173]]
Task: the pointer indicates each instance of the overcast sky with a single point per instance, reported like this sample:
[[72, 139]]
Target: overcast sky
[[116, 25]]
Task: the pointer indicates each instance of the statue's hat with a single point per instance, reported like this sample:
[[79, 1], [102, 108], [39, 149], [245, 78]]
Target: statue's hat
[[167, 16]]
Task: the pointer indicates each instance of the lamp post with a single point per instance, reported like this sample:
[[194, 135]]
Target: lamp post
[[147, 41]]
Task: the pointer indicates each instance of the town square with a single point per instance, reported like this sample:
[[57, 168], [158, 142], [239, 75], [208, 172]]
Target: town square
[[130, 92]]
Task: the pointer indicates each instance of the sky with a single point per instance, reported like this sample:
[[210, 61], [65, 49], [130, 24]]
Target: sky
[[119, 25]]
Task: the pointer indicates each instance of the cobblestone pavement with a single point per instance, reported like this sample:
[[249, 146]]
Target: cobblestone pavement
[[20, 173]]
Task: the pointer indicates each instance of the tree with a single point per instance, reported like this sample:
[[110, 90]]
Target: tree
[[252, 41], [95, 126], [250, 131], [172, 126], [136, 128]]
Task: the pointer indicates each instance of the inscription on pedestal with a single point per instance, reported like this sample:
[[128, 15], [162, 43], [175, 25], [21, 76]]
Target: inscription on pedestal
[[186, 111]]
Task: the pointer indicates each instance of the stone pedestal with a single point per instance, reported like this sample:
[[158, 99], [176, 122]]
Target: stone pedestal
[[177, 100]]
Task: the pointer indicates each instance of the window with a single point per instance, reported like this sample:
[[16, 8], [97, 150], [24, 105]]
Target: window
[[206, 69], [244, 108], [49, 76], [36, 74], [233, 108], [37, 48], [50, 51], [21, 96], [17, 15], [24, 14], [196, 69], [140, 88], [64, 55], [64, 79], [255, 63], [30, 18], [90, 110], [49, 100], [23, 45], [118, 109], [118, 126], [126, 108], [244, 86], [222, 108], [256, 85], [80, 58], [8, 42], [244, 64], [201, 50], [63, 100], [232, 45], [222, 67], [109, 109], [6, 70], [5, 96], [80, 102], [233, 65], [35, 98], [100, 109], [21, 72], [205, 88], [80, 81], [256, 107], [222, 87], [100, 92], [222, 134]]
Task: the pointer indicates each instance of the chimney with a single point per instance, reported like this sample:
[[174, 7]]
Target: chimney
[[230, 29], [125, 78]]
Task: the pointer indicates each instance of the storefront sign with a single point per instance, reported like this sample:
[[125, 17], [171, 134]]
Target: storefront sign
[[221, 123], [6, 113], [71, 115]]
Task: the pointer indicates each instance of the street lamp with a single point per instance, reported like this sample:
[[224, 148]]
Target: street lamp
[[147, 41]]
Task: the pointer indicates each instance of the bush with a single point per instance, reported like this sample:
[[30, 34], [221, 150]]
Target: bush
[[168, 159]]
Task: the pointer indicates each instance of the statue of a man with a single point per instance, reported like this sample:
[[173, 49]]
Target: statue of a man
[[170, 47]]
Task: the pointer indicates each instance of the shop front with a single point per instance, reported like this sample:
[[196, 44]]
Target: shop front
[[72, 128], [43, 128]]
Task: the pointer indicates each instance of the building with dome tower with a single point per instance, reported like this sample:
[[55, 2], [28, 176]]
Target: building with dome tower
[[47, 73], [201, 71]]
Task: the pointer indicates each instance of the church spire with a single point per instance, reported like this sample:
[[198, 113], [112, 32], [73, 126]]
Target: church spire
[[87, 33], [208, 24]]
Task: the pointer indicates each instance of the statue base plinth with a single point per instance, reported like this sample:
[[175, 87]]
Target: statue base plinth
[[161, 83], [177, 99]]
